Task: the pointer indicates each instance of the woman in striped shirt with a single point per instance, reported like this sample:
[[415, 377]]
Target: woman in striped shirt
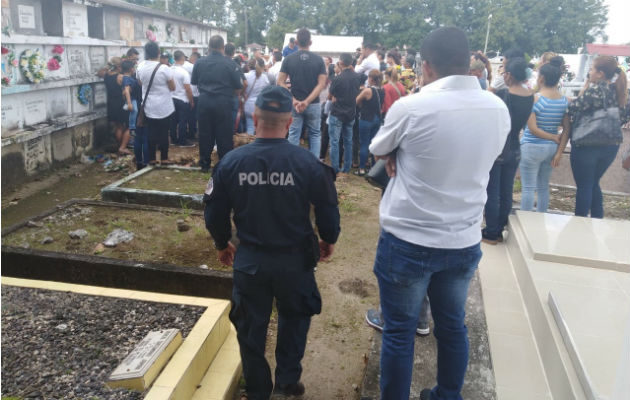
[[541, 145]]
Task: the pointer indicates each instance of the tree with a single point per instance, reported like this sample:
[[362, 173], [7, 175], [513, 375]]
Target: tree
[[533, 25]]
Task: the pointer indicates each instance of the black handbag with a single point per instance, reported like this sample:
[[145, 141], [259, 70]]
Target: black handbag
[[600, 128]]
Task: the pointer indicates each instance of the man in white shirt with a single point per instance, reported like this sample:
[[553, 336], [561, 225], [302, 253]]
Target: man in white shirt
[[192, 116], [368, 60], [183, 101], [440, 145], [274, 70]]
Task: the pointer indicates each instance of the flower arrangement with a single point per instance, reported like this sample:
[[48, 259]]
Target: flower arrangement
[[84, 94], [32, 65], [55, 61], [151, 35], [6, 81]]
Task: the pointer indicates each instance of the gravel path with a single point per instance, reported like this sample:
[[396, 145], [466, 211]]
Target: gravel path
[[64, 345]]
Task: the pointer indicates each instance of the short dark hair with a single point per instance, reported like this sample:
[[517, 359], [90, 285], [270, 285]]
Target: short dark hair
[[151, 50], [380, 53], [216, 42], [514, 52], [346, 59], [178, 55], [195, 54], [304, 37], [292, 40], [230, 49], [369, 45], [446, 50], [127, 66], [132, 52], [277, 55], [517, 67]]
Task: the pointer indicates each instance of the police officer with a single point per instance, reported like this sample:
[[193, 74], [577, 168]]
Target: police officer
[[217, 79], [270, 184]]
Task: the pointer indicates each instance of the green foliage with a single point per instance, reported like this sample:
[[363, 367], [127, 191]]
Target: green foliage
[[533, 25]]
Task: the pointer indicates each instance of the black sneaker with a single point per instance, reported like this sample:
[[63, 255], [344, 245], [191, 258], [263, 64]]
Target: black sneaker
[[288, 391], [425, 394]]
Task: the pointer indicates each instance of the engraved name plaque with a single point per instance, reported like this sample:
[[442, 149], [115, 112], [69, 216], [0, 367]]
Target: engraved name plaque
[[140, 368]]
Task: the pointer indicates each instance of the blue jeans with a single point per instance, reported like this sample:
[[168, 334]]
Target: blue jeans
[[535, 173], [406, 271], [310, 117], [133, 115], [336, 128], [499, 191], [588, 164], [251, 129], [367, 130], [141, 147]]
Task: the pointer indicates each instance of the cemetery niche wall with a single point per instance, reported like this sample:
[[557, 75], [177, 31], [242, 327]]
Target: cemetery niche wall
[[53, 104]]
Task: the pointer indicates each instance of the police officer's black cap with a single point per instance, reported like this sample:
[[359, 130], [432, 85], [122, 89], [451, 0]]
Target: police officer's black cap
[[275, 98]]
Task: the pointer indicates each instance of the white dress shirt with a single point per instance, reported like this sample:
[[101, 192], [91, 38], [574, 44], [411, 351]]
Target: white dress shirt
[[369, 63], [447, 138], [159, 103], [193, 88], [181, 78], [273, 72]]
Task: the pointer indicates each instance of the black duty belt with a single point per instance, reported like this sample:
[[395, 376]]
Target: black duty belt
[[273, 249]]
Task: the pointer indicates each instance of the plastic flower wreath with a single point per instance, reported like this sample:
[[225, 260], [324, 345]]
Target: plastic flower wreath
[[32, 65], [151, 35], [84, 94], [55, 61], [6, 81]]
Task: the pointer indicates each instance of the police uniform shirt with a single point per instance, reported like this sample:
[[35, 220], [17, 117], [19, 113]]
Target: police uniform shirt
[[270, 184], [216, 75]]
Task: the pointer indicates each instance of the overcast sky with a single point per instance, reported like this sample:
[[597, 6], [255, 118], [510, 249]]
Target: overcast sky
[[618, 29]]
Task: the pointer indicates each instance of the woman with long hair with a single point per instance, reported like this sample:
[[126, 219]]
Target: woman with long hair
[[256, 82], [115, 112], [370, 101], [519, 102], [592, 155], [541, 145], [394, 90]]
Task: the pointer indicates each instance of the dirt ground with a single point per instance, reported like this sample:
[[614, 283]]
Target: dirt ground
[[156, 235], [171, 180], [339, 339]]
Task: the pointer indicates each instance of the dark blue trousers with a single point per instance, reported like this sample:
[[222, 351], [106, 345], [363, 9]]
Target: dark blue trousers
[[499, 191], [259, 278], [179, 122], [214, 116]]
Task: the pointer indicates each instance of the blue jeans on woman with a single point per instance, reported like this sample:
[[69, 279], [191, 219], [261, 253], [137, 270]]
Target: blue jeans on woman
[[140, 140], [367, 130], [588, 164], [405, 271], [499, 191], [251, 129], [337, 129], [535, 173]]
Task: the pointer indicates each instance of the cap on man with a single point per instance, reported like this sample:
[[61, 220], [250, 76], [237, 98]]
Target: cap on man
[[278, 247]]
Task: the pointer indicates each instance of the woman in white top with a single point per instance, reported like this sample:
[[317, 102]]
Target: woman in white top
[[256, 82], [158, 106]]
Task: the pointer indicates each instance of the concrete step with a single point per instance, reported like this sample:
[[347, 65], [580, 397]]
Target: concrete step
[[186, 369], [221, 380]]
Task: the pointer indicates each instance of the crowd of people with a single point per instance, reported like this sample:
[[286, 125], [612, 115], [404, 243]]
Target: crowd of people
[[451, 131]]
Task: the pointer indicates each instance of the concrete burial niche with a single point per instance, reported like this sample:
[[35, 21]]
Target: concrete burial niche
[[170, 251], [180, 187], [26, 16]]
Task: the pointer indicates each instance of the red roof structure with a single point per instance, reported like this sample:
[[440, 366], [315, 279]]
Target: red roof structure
[[608, 49]]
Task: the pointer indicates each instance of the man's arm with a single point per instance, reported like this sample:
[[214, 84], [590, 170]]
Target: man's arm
[[323, 196], [282, 79], [321, 84], [217, 210]]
